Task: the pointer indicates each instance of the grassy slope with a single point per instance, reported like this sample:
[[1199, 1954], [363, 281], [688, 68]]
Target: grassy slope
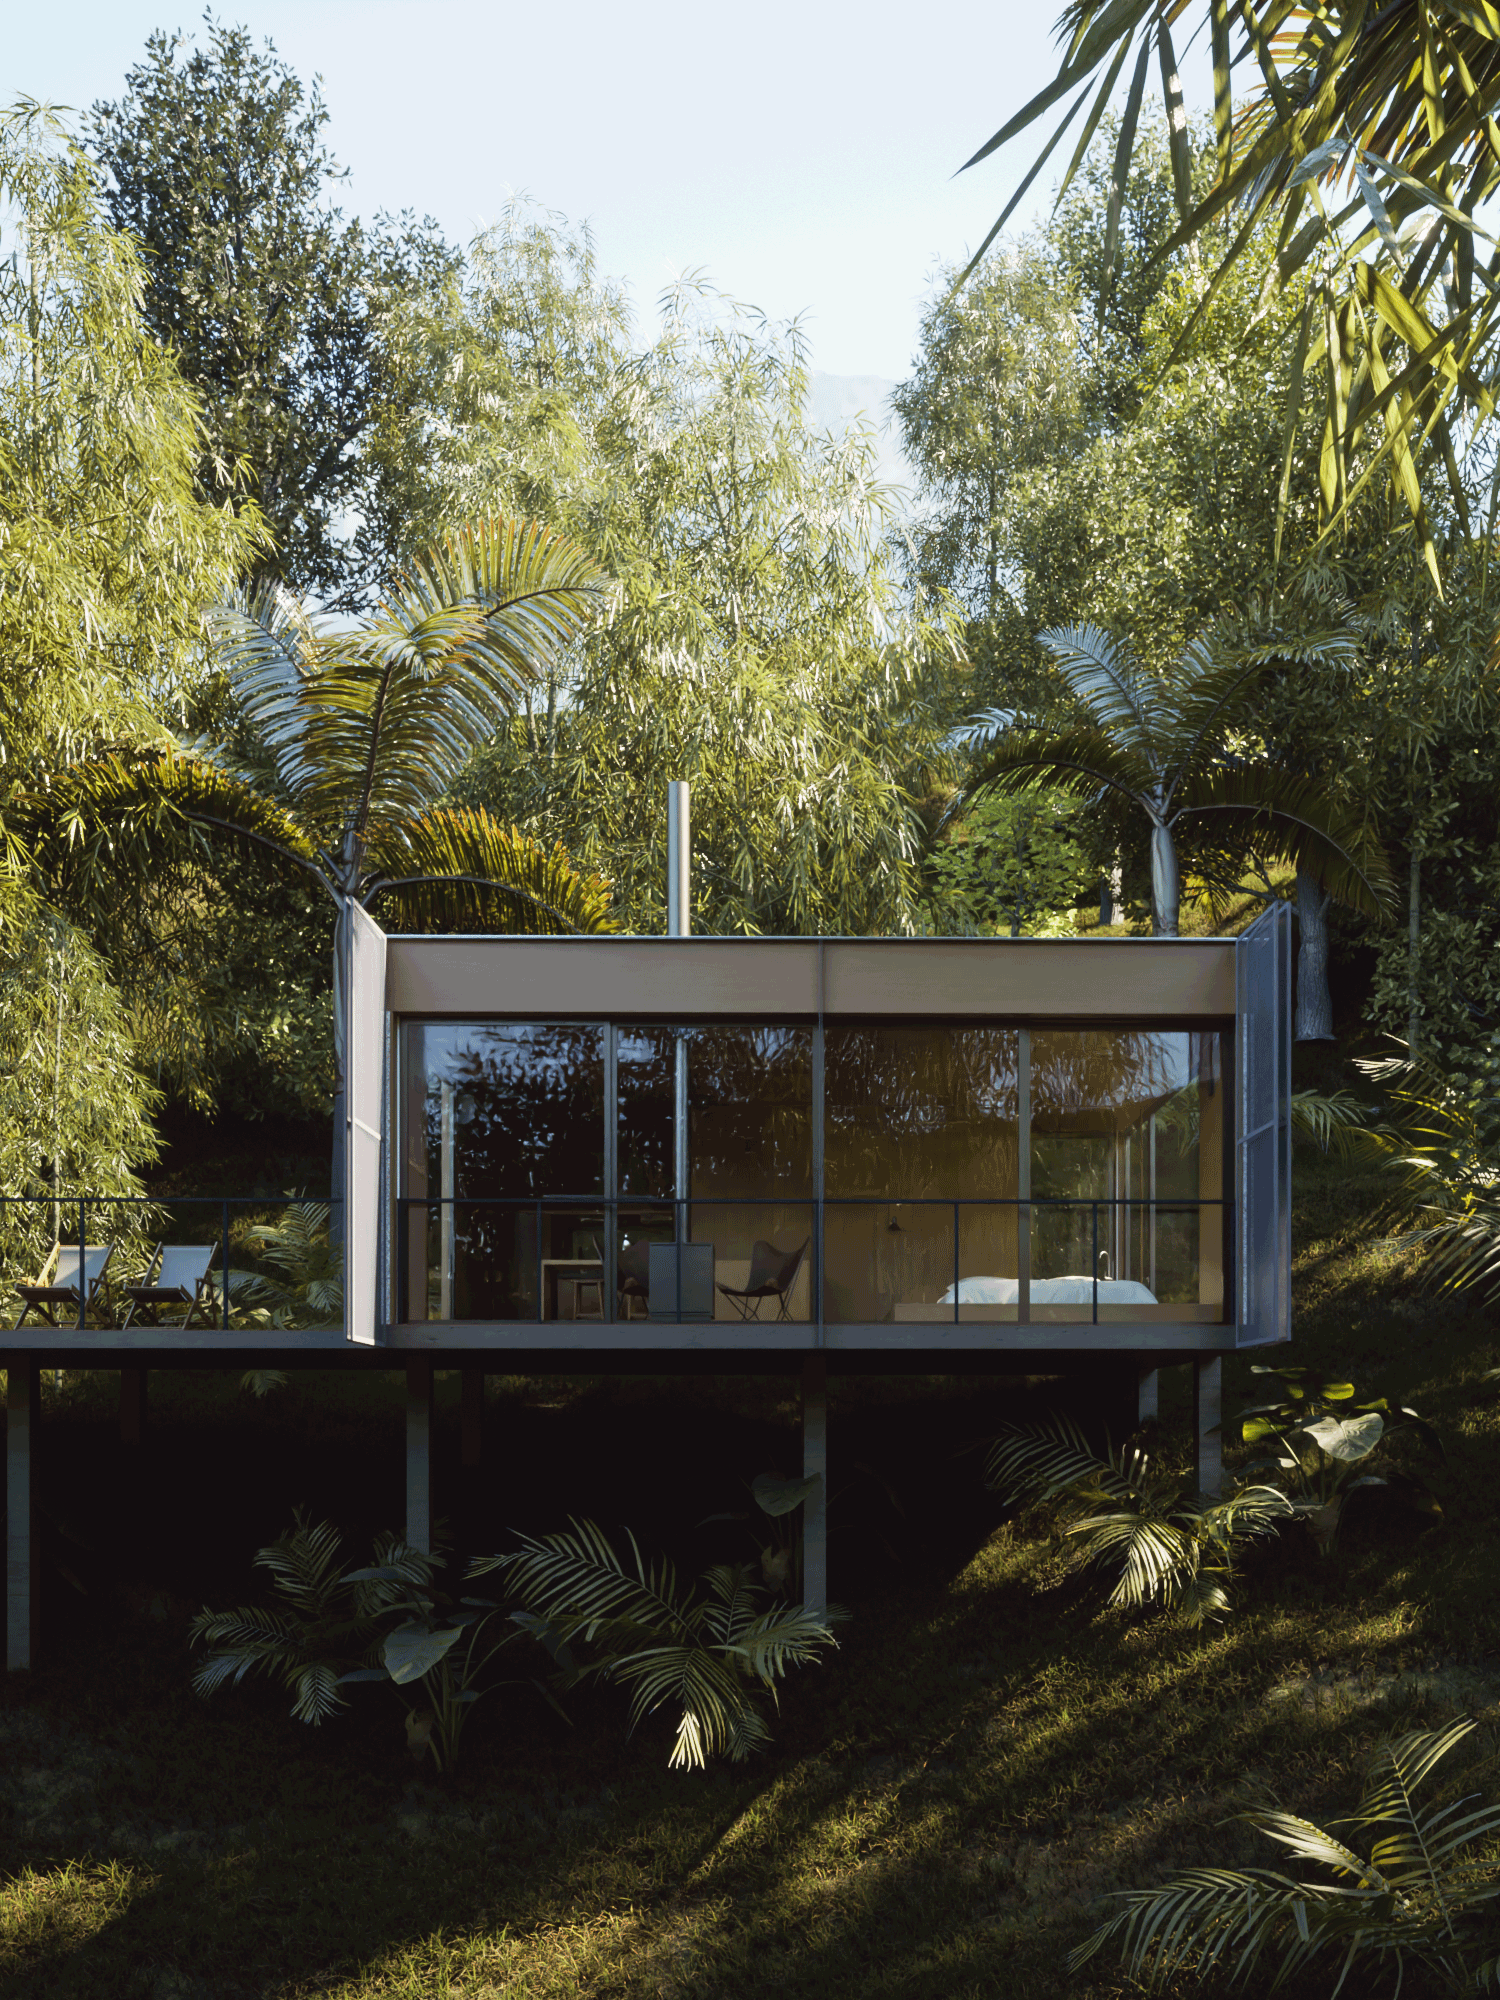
[[944, 1804]]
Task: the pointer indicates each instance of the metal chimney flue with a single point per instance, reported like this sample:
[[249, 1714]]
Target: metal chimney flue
[[679, 872]]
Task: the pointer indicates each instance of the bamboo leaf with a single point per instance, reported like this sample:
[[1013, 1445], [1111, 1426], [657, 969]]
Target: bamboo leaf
[[1123, 149]]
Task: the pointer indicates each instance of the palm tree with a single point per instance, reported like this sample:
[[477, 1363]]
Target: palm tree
[[352, 738], [1158, 741]]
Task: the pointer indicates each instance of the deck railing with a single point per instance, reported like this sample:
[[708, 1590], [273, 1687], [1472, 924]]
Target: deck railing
[[502, 1258]]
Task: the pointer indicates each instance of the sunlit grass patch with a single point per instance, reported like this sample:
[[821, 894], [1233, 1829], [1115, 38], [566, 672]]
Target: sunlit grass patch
[[54, 1910]]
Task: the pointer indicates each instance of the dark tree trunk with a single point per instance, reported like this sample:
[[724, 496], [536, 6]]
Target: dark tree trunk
[[1314, 1001], [1414, 952]]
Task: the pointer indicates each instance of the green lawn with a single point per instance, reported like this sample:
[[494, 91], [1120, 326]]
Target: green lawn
[[945, 1802]]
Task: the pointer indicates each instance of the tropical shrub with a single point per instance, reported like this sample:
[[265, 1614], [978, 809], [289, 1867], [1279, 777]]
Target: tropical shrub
[[1170, 1546], [1325, 1441], [713, 1653], [1424, 1892], [305, 1284], [330, 1629], [1444, 1142]]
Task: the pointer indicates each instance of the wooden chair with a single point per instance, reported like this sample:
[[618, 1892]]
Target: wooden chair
[[177, 1276], [59, 1285], [772, 1275]]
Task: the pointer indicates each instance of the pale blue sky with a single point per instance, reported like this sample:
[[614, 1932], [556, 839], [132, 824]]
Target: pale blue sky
[[800, 155]]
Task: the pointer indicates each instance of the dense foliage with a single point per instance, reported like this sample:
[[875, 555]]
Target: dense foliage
[[214, 161], [1107, 432]]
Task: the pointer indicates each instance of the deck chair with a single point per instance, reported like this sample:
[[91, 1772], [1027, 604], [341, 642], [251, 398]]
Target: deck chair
[[772, 1275], [58, 1286], [176, 1277]]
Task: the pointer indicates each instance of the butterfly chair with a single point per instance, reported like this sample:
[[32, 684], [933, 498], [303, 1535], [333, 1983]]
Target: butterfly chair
[[633, 1277], [176, 1279], [59, 1285], [773, 1273]]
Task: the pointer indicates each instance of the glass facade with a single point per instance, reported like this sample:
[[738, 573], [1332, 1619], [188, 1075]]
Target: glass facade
[[913, 1172]]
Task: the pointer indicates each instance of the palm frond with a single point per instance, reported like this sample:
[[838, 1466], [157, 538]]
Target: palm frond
[[1335, 1121], [397, 711], [1100, 674], [112, 818], [1209, 681], [266, 643], [576, 1578], [1293, 816], [460, 870], [1036, 1462], [707, 1655], [1151, 1553], [1417, 1895], [1082, 762]]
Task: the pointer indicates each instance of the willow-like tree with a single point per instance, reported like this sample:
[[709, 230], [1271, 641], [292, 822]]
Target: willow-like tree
[[107, 556], [761, 646]]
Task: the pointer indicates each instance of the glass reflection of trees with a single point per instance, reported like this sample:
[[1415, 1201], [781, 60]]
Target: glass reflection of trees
[[750, 1112], [913, 1111], [1117, 1117], [914, 1114], [511, 1109], [528, 1108]]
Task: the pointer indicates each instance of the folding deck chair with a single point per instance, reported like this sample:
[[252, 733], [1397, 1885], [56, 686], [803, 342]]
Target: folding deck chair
[[176, 1276], [58, 1285]]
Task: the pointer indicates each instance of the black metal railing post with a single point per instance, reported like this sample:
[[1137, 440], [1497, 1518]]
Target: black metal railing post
[[224, 1262], [955, 1265]]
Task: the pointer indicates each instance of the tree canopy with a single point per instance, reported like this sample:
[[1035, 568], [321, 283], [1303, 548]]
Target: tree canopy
[[214, 159]]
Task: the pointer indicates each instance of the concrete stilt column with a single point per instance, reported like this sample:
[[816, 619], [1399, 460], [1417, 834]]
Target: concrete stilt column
[[471, 1418], [1148, 1397], [815, 1462], [132, 1405], [419, 1453], [1208, 1372], [23, 1577]]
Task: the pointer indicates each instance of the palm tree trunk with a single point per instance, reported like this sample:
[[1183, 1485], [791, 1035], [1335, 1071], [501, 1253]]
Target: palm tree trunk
[[1314, 1001], [1166, 892]]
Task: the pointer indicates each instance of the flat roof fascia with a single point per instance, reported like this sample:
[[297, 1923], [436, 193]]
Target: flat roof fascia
[[1051, 979]]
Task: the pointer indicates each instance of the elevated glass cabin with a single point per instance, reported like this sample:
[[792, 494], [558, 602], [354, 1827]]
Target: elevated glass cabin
[[892, 1143]]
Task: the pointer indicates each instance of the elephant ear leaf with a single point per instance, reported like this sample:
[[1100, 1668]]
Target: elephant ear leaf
[[782, 1496], [1347, 1440], [413, 1651]]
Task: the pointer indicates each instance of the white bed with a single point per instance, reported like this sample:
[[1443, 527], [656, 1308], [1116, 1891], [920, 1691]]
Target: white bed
[[1067, 1291]]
